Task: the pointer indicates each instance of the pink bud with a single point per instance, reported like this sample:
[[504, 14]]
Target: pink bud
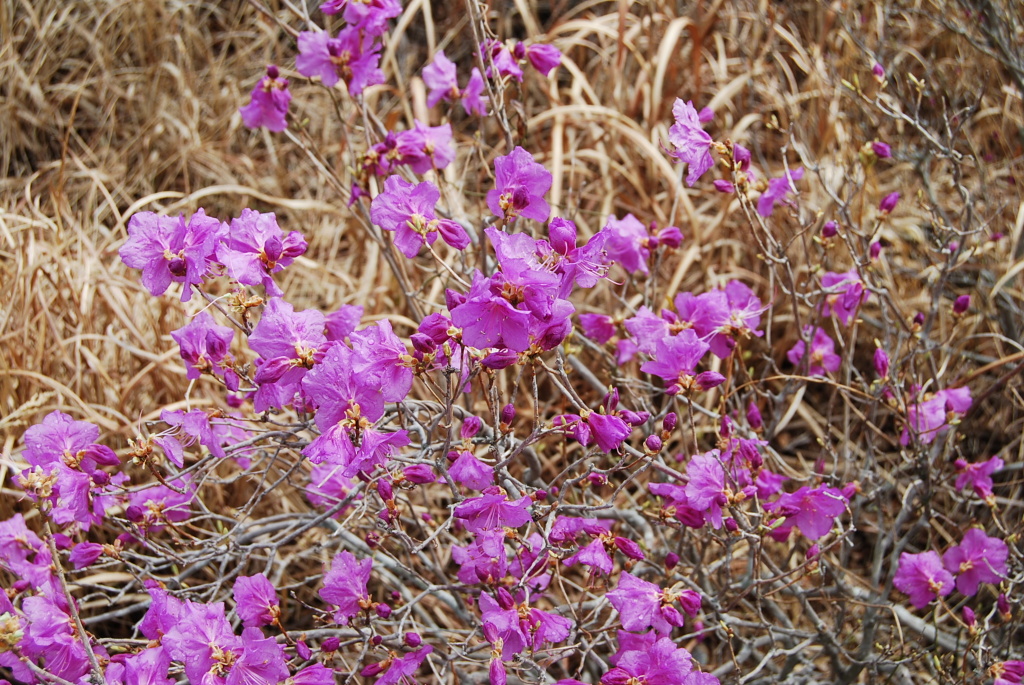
[[330, 644], [961, 304], [668, 424], [705, 115], [419, 474], [505, 599], [969, 618], [754, 417], [272, 71], [413, 640], [629, 548], [881, 363], [731, 525], [303, 650], [724, 186], [496, 672], [709, 379], [919, 319], [813, 551], [376, 640], [540, 495], [881, 150], [1003, 606], [878, 70], [653, 443], [671, 560], [829, 230], [382, 610], [385, 491], [470, 427], [508, 414], [726, 429], [875, 250], [375, 669], [690, 601], [670, 236], [741, 156]]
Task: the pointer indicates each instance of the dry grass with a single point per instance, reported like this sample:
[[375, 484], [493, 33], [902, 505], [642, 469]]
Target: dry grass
[[109, 108]]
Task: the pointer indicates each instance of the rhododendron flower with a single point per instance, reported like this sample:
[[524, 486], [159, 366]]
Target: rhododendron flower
[[204, 345], [504, 62], [256, 247], [777, 190], [812, 510], [823, 357], [595, 555], [675, 359], [598, 327], [345, 586], [256, 600], [73, 443], [501, 622], [268, 105], [467, 470], [846, 294], [85, 554], [520, 186], [626, 242], [290, 343], [888, 202], [706, 489], [977, 559], [931, 417], [171, 250], [544, 58], [426, 147], [659, 663], [473, 100], [642, 605], [1007, 672], [404, 666], [50, 634], [368, 15], [408, 210], [328, 487], [922, 578], [440, 77], [484, 560], [202, 639], [158, 504], [489, 320], [351, 57], [691, 142], [978, 475], [493, 510], [542, 627]]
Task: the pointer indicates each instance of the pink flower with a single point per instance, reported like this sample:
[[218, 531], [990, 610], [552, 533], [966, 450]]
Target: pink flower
[[642, 605], [256, 247], [627, 243], [345, 586], [440, 77], [928, 419], [691, 142], [521, 184], [408, 211], [256, 600], [493, 510], [922, 578], [777, 190], [169, 249], [268, 105], [888, 202], [812, 510], [351, 57], [977, 475], [845, 294], [544, 58], [977, 559], [823, 358]]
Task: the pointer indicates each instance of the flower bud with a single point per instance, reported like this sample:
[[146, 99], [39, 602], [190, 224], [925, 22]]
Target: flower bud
[[881, 363], [629, 548], [724, 186], [496, 672], [731, 525], [540, 495], [303, 650], [1003, 606], [829, 230], [970, 619], [616, 676], [330, 644], [888, 202], [878, 70], [691, 601], [741, 156], [668, 424], [470, 427], [504, 599], [422, 343], [375, 669], [500, 359], [385, 491], [813, 551], [754, 417], [706, 380], [670, 236], [881, 150], [961, 304], [875, 250], [412, 640], [508, 414], [22, 585], [419, 474], [382, 610], [272, 71], [134, 513], [671, 560], [919, 319], [653, 444]]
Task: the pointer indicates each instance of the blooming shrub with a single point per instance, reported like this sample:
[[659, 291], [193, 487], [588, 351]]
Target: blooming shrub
[[556, 458]]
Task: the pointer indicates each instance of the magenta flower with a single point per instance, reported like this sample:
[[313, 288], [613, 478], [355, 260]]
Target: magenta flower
[[521, 184], [706, 489], [256, 600], [977, 559], [157, 505], [661, 663], [626, 242], [350, 57], [380, 358], [777, 190], [204, 345], [493, 510], [504, 61], [501, 622], [467, 470], [202, 640], [408, 210], [675, 359], [931, 417], [544, 58], [691, 142], [845, 294], [262, 660], [256, 247], [50, 634], [977, 475], [59, 438], [85, 554], [426, 147], [473, 100], [440, 77], [484, 560], [812, 510], [327, 487], [369, 16], [289, 343], [922, 578], [403, 667], [268, 105], [542, 627], [822, 359], [489, 320], [642, 605], [888, 203], [598, 327], [169, 250], [345, 586]]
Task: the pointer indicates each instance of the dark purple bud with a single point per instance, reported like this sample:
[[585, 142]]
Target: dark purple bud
[[412, 640], [690, 600], [21, 585], [668, 424], [709, 379], [671, 560], [610, 400], [453, 455], [519, 50], [741, 156], [134, 513], [849, 490], [330, 644], [100, 477], [724, 186], [508, 414], [470, 427], [272, 71], [670, 236], [969, 618], [652, 243], [1003, 606], [505, 600], [540, 495], [953, 246], [996, 237], [919, 319], [423, 343], [731, 525], [961, 304], [500, 359], [888, 202], [385, 491], [419, 474], [234, 401], [878, 70], [272, 370], [653, 444], [829, 230], [754, 417], [720, 499], [303, 650], [490, 633], [383, 610], [375, 669], [726, 429], [875, 250], [881, 363], [629, 548], [881, 150], [373, 539], [562, 235]]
